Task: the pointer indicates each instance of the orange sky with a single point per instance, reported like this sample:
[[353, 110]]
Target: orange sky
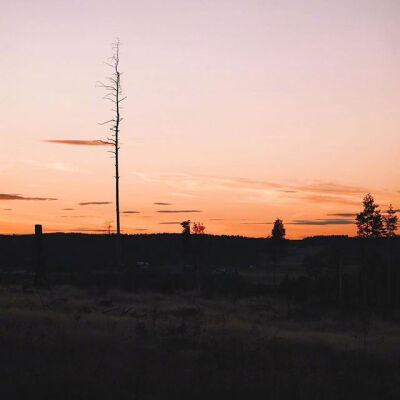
[[238, 112]]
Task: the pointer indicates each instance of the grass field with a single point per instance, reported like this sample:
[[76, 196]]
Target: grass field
[[78, 344]]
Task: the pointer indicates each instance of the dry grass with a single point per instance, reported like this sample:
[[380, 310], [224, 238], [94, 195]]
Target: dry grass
[[72, 344]]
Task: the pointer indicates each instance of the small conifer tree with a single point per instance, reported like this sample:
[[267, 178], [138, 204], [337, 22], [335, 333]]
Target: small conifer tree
[[278, 231], [390, 222], [369, 221]]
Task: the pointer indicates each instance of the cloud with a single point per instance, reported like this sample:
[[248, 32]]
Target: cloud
[[242, 183], [141, 229], [163, 204], [4, 196], [178, 211], [90, 230], [77, 230], [130, 212], [73, 216], [68, 209], [252, 190], [7, 209], [217, 219], [64, 167], [80, 229], [322, 221], [330, 199], [330, 187], [80, 142], [94, 203], [193, 182], [318, 221], [54, 165], [186, 195], [170, 223], [344, 215], [256, 223]]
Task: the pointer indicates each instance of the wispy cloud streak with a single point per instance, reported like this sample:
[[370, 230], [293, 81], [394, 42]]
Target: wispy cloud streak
[[318, 192], [178, 211], [344, 215], [5, 196], [79, 142], [94, 203], [322, 221], [330, 199]]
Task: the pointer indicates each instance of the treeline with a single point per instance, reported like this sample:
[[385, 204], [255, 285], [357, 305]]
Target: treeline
[[77, 252], [333, 270], [353, 272]]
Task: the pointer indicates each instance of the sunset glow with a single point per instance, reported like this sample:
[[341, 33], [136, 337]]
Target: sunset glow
[[237, 113]]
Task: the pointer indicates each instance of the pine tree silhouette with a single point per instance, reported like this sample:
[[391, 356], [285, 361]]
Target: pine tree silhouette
[[390, 220], [369, 221]]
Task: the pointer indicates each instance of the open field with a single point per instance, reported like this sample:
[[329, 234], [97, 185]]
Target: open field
[[70, 343]]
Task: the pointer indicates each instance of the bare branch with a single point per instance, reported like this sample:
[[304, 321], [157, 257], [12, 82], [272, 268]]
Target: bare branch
[[106, 122], [103, 85]]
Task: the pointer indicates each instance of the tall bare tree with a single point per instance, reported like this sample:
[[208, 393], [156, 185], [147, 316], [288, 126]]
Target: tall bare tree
[[114, 95]]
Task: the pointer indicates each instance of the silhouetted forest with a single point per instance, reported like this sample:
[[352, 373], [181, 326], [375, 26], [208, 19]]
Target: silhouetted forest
[[333, 269]]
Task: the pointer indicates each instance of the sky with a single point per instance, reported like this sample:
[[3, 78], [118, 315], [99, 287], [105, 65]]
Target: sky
[[237, 113]]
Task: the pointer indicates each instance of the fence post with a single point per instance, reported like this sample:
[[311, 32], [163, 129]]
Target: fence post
[[40, 271]]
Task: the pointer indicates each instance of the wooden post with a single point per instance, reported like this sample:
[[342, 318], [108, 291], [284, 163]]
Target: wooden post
[[340, 285], [40, 273]]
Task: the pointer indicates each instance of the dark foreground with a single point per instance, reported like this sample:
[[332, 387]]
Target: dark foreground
[[71, 343]]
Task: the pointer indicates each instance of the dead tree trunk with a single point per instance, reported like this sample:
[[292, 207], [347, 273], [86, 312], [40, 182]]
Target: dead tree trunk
[[114, 95]]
